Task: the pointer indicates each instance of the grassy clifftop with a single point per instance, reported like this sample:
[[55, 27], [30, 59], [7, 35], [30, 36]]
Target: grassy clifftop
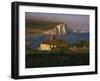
[[43, 25], [36, 26]]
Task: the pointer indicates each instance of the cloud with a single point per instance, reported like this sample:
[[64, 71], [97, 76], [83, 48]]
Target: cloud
[[76, 22]]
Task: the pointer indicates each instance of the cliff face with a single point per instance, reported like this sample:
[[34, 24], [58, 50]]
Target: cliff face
[[56, 33], [57, 30]]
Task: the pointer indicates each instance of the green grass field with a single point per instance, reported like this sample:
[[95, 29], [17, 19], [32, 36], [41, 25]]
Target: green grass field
[[49, 59]]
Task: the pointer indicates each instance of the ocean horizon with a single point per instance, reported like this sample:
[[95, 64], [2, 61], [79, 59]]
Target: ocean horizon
[[69, 38]]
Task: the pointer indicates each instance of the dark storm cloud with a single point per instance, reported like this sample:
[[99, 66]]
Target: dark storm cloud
[[75, 22]]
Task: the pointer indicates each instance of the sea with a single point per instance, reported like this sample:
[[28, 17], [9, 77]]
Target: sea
[[75, 37], [69, 38]]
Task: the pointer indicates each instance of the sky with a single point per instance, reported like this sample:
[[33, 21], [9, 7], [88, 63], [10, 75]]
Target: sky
[[75, 22]]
